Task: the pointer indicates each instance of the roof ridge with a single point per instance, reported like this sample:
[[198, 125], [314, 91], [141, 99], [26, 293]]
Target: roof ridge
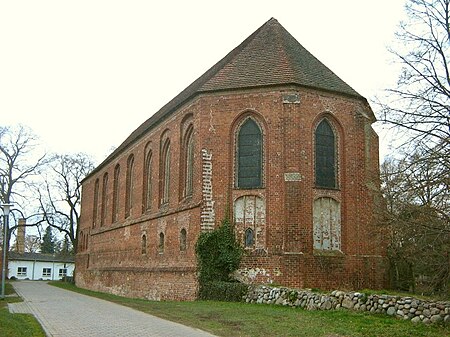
[[180, 98], [269, 56], [283, 50]]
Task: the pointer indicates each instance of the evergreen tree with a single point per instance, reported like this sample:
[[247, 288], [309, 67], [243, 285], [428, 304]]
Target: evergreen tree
[[64, 247], [48, 242]]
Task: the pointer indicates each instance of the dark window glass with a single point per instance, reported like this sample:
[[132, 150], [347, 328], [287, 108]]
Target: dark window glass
[[249, 153], [325, 156], [249, 237]]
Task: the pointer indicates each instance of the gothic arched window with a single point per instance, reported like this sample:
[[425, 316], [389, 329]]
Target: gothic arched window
[[183, 236], [249, 155], [144, 244], [115, 205], [249, 238], [95, 209], [104, 199], [147, 196], [81, 241], [187, 162], [165, 173], [161, 243], [129, 186], [327, 224], [325, 155]]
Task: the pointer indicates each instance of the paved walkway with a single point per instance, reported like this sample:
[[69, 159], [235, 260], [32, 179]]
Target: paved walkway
[[64, 313]]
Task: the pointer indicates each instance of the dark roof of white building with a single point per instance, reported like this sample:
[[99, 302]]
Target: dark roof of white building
[[14, 256]]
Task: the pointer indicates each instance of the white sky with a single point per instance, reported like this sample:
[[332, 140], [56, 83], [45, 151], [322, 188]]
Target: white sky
[[84, 74]]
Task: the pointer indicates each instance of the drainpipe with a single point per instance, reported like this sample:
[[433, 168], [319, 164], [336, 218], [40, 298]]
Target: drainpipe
[[32, 275]]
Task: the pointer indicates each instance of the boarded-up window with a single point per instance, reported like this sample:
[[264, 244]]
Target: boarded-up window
[[325, 151], [249, 155], [327, 224], [249, 214]]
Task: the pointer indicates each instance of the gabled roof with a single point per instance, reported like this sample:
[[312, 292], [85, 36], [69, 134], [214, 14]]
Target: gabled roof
[[40, 257], [269, 57], [272, 56]]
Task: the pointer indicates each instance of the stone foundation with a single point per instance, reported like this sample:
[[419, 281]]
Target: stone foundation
[[407, 308]]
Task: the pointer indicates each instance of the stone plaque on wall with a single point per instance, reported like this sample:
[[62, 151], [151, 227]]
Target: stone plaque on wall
[[291, 98], [292, 176]]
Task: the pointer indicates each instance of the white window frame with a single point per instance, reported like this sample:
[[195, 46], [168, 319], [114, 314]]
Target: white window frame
[[21, 271], [46, 272]]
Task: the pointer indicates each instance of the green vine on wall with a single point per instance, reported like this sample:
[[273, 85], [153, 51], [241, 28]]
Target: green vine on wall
[[218, 255]]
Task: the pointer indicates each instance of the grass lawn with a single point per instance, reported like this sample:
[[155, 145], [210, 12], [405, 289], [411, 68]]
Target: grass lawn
[[240, 319], [17, 325]]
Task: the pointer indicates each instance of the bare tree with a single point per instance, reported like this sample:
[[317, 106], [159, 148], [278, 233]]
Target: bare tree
[[20, 163], [417, 218], [60, 199], [416, 186], [32, 243], [420, 104]]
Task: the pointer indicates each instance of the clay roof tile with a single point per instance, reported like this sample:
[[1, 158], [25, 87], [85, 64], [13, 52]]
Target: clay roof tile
[[268, 57]]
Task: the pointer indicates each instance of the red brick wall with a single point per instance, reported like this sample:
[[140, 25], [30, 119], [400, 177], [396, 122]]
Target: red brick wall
[[116, 263]]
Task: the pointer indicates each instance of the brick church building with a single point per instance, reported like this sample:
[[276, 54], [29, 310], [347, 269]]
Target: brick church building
[[268, 136]]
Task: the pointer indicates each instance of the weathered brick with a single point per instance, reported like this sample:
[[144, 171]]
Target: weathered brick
[[110, 257]]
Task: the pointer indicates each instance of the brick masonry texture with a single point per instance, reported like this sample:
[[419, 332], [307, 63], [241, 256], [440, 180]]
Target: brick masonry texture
[[114, 261], [125, 256]]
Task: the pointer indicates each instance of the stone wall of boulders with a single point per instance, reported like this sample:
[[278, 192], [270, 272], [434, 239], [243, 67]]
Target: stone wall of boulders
[[407, 308]]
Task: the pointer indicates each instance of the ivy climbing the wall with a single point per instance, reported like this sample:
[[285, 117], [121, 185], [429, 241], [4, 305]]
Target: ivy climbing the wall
[[218, 255]]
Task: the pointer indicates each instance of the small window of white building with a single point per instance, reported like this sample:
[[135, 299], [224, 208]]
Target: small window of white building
[[46, 272], [21, 271], [62, 272]]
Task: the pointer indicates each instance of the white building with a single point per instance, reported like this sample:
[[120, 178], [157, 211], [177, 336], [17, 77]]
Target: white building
[[36, 266]]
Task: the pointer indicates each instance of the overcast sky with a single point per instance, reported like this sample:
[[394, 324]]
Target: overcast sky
[[84, 74]]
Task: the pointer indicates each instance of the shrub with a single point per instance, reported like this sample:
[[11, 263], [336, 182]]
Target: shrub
[[223, 291], [218, 255]]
